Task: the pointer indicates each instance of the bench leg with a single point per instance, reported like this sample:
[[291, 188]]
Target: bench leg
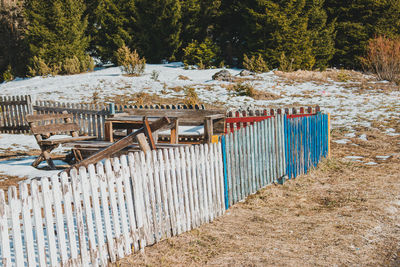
[[50, 162], [38, 160]]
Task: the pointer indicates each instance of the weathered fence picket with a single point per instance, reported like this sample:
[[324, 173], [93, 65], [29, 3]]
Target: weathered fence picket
[[103, 213]]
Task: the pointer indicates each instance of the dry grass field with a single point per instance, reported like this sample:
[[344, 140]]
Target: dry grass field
[[341, 214]]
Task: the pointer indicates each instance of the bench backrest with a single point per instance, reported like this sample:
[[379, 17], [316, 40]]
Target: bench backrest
[[50, 124]]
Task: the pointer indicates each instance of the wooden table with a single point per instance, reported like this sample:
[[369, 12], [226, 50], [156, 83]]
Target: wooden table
[[130, 123]]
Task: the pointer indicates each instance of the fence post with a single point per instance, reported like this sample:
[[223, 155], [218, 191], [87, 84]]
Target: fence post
[[226, 194]]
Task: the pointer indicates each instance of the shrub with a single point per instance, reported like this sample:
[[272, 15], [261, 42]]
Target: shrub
[[38, 67], [204, 54], [130, 62], [87, 63], [255, 64], [7, 75], [244, 89], [71, 66], [285, 64], [191, 97], [383, 58]]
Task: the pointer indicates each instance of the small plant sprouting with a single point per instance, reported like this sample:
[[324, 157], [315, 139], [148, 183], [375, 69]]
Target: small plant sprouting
[[154, 75]]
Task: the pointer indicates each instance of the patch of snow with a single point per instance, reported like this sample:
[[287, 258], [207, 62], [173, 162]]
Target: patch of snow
[[383, 157], [355, 158], [341, 141], [350, 135], [22, 168], [371, 163], [363, 137]]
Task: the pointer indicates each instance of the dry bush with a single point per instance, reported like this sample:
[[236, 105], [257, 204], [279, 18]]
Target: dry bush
[[244, 89], [72, 65], [383, 58], [176, 89], [130, 62], [327, 76], [191, 97]]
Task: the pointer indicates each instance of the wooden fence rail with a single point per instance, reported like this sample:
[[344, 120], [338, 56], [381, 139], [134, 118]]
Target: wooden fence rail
[[106, 212]]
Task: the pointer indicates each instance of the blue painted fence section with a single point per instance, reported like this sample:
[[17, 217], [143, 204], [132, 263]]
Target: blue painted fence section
[[269, 150], [306, 143]]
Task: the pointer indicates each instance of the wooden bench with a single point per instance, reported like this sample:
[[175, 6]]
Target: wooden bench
[[212, 120], [44, 126]]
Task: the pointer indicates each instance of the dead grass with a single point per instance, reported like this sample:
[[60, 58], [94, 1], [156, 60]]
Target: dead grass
[[321, 77], [342, 213]]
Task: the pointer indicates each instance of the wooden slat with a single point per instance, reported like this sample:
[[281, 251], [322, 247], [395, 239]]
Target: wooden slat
[[44, 117], [54, 128]]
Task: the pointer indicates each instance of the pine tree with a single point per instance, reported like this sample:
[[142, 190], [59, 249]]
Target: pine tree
[[156, 29], [357, 22], [12, 49], [56, 30], [109, 27]]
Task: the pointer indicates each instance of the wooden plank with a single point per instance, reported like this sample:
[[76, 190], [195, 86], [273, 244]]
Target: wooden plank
[[213, 167], [155, 164], [37, 214], [152, 198], [143, 144], [129, 202], [47, 117], [114, 209], [179, 184], [123, 216], [4, 237], [166, 223], [124, 142], [66, 140], [67, 199], [186, 185], [27, 224], [174, 189], [54, 128], [49, 221], [175, 132], [102, 178], [207, 165], [137, 193], [201, 182], [193, 175], [147, 204], [221, 179], [148, 133], [77, 189], [56, 190], [87, 207]]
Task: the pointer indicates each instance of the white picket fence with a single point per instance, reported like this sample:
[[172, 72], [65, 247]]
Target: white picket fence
[[110, 210]]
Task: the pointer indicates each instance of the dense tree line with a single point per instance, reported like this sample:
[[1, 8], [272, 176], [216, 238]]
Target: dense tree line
[[39, 37]]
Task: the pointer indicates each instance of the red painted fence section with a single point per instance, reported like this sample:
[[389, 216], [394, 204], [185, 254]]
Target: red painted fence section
[[240, 119]]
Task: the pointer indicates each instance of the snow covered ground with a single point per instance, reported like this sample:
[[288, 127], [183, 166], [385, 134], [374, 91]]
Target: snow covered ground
[[350, 107]]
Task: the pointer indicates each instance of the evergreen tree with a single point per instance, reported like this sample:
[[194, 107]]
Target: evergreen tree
[[56, 31], [109, 26], [12, 49], [156, 29], [289, 34], [358, 21]]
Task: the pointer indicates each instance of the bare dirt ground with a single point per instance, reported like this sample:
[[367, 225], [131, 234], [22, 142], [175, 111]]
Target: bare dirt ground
[[343, 213]]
